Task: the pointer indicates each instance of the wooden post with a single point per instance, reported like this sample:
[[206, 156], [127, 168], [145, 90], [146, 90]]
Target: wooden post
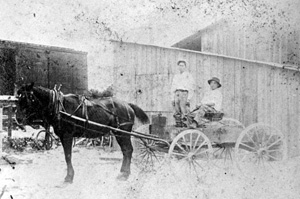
[[9, 128], [1, 129], [1, 118]]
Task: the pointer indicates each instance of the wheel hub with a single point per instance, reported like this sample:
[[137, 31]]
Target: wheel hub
[[262, 152]]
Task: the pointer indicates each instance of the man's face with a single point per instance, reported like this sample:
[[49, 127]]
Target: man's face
[[214, 85], [182, 67]]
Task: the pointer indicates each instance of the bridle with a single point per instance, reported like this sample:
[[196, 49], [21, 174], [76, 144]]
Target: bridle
[[33, 103]]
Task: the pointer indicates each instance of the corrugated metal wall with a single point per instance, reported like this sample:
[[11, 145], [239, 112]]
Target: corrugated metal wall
[[253, 92]]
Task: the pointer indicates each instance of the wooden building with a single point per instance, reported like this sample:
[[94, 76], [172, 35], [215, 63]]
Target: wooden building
[[253, 91], [263, 44], [45, 65]]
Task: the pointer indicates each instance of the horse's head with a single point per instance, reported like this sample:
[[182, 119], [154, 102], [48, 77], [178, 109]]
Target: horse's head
[[29, 105]]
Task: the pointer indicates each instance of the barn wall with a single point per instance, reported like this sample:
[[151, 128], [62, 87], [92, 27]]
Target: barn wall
[[253, 92], [44, 65], [245, 43]]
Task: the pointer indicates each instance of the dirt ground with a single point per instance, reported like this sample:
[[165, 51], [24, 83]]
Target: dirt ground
[[41, 176]]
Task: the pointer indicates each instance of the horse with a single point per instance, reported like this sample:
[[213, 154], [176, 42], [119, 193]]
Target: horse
[[36, 102]]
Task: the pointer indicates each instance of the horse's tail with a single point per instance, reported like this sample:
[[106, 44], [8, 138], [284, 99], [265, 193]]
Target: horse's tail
[[140, 114]]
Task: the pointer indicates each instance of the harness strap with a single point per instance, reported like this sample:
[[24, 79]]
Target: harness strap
[[114, 109]]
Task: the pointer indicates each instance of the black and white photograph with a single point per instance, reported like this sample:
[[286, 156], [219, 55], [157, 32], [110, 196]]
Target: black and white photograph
[[143, 99]]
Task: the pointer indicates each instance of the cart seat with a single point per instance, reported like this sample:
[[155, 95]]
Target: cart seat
[[214, 116]]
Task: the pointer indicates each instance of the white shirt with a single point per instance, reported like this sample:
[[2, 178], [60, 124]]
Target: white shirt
[[184, 81], [213, 96]]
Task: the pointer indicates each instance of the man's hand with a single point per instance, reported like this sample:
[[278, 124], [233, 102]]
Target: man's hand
[[188, 104], [198, 106]]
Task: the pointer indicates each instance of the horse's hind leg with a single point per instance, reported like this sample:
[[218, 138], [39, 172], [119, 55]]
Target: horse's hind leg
[[127, 149], [66, 140]]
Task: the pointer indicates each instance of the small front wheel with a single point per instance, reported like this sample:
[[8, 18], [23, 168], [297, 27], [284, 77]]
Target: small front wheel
[[44, 140]]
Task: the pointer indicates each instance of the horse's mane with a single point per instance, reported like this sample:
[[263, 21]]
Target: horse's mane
[[95, 94]]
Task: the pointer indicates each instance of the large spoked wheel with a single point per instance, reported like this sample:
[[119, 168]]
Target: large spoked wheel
[[226, 151], [231, 122], [192, 150], [44, 140], [145, 155], [259, 150]]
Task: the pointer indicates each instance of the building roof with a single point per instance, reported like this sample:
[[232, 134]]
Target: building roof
[[193, 42], [14, 44]]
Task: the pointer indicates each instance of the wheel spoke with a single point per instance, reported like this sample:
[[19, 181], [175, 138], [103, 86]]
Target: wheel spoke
[[244, 155], [275, 150], [247, 146], [263, 139], [222, 152], [193, 163], [155, 156], [255, 133], [273, 157], [219, 148], [204, 141], [196, 141], [185, 142], [181, 148], [274, 143], [269, 138], [197, 154], [197, 163], [152, 163], [191, 139], [179, 154], [251, 139]]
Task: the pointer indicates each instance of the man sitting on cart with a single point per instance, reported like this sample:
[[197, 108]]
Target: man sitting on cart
[[212, 100], [182, 90]]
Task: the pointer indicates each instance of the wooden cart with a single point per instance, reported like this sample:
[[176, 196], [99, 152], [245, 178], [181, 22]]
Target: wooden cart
[[255, 148]]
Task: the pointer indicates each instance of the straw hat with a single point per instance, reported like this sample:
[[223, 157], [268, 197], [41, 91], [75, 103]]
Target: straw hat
[[216, 80]]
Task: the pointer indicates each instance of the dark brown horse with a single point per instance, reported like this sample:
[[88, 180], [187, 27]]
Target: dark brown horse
[[41, 103]]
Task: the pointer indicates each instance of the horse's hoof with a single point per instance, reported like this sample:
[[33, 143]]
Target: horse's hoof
[[63, 185], [123, 176], [68, 180]]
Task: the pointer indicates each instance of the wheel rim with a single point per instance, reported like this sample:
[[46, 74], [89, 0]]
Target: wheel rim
[[193, 151], [43, 141], [259, 149]]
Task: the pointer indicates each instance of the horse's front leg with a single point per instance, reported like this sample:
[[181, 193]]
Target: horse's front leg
[[127, 149], [66, 140]]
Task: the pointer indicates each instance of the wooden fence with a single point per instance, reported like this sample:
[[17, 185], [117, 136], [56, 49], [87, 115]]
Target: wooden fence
[[253, 91]]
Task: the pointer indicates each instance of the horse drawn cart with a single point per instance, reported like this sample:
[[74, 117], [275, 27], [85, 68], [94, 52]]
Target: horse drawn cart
[[257, 146]]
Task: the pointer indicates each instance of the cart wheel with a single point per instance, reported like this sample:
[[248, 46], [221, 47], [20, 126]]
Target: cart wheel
[[144, 155], [259, 150], [193, 150], [136, 141], [231, 122], [44, 140]]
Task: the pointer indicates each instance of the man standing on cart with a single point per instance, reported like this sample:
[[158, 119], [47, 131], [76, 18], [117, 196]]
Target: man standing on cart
[[182, 90]]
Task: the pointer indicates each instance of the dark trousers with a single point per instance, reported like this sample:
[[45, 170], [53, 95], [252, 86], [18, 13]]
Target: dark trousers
[[180, 105]]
